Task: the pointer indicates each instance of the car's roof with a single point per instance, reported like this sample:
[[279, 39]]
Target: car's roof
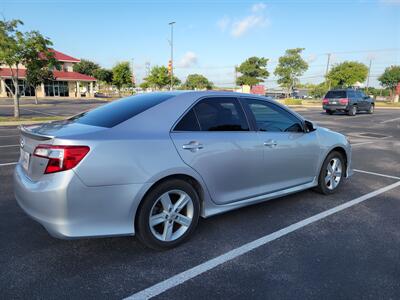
[[212, 93], [342, 90]]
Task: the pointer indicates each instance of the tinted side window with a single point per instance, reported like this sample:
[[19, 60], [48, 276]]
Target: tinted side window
[[351, 94], [188, 123], [221, 114], [121, 110], [272, 118]]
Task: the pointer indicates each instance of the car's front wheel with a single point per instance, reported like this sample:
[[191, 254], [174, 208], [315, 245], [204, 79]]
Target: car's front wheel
[[168, 215], [371, 109], [331, 174], [352, 110]]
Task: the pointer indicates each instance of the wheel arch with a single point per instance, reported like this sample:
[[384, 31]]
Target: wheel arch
[[339, 149], [199, 188]]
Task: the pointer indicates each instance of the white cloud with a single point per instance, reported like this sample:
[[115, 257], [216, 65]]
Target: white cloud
[[188, 60], [242, 26], [258, 7], [239, 27], [223, 23], [311, 58]]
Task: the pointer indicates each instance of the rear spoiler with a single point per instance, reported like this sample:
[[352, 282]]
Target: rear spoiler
[[29, 131]]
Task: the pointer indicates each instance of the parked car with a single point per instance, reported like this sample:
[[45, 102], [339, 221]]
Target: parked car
[[151, 164], [347, 100]]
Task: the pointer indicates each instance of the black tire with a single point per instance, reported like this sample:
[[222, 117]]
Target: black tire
[[371, 109], [330, 112], [322, 185], [352, 111], [143, 230]]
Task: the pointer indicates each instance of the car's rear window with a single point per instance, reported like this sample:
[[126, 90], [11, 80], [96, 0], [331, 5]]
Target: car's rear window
[[121, 110], [336, 94]]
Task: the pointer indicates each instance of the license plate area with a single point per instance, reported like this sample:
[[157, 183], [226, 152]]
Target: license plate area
[[24, 160]]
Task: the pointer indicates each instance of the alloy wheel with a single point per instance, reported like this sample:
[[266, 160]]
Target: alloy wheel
[[333, 173], [171, 215]]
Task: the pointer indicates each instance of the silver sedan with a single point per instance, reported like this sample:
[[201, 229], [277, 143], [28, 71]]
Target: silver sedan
[[150, 165]]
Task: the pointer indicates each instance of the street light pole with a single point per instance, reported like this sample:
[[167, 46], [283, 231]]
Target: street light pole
[[172, 54]]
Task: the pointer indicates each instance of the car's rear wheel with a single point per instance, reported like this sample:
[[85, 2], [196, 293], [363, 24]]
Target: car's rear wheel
[[371, 109], [352, 111], [168, 215], [329, 112], [332, 173]]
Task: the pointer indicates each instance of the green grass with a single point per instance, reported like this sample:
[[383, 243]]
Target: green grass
[[387, 104], [35, 119], [291, 101]]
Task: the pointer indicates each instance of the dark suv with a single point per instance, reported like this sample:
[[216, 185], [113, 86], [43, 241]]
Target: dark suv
[[349, 100]]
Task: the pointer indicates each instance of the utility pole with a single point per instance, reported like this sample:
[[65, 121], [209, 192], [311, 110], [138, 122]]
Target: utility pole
[[172, 53], [147, 67], [133, 74], [369, 73], [327, 70], [236, 75]]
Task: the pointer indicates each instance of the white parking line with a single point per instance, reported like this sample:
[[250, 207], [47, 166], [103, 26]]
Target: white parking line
[[38, 112], [377, 174], [6, 146], [8, 164], [391, 120], [180, 278], [363, 143]]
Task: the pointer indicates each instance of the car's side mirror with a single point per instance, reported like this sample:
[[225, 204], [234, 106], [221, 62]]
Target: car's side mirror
[[309, 126]]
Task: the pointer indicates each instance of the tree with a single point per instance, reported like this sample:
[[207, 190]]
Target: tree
[[18, 48], [318, 90], [347, 74], [253, 71], [290, 67], [122, 76], [159, 78], [86, 67], [37, 73], [144, 85], [197, 81], [390, 78], [103, 75]]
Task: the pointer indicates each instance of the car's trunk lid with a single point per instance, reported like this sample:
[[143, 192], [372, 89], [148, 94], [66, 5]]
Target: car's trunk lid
[[33, 135]]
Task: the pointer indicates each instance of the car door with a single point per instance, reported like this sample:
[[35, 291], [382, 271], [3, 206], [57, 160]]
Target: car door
[[290, 154], [214, 138], [364, 100]]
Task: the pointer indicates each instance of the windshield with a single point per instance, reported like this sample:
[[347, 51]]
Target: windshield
[[336, 94]]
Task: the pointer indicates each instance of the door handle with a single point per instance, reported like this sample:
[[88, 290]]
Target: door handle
[[270, 143], [193, 146]]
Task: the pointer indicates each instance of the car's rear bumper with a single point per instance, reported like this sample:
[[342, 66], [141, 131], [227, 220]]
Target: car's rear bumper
[[334, 107], [69, 209]]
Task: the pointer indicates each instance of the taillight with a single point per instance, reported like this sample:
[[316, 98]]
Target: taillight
[[344, 101], [325, 101], [61, 158]]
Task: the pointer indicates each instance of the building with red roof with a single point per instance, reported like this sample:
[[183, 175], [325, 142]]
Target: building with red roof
[[66, 83]]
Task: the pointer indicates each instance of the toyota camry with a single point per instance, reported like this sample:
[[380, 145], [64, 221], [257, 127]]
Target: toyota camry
[[151, 165]]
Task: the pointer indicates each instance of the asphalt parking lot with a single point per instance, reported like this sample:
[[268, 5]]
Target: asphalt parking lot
[[49, 107], [301, 246]]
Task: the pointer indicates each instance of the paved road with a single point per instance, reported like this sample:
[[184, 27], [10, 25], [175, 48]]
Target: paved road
[[353, 253], [49, 107]]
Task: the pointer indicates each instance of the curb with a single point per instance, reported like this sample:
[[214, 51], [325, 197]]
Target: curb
[[27, 122]]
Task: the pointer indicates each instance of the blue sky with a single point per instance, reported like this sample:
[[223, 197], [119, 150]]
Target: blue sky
[[211, 37]]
